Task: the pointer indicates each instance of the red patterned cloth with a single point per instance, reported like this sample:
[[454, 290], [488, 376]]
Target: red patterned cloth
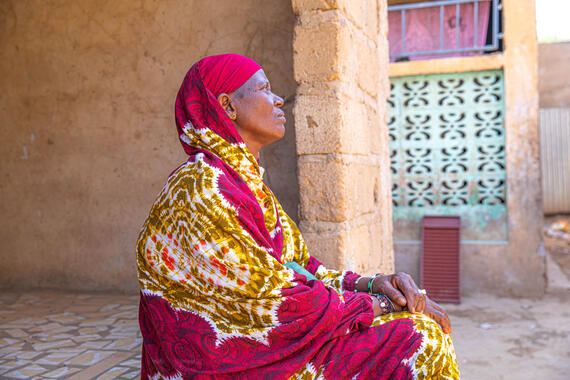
[[216, 299]]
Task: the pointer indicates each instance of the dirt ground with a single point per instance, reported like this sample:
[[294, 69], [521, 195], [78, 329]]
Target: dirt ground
[[504, 338]]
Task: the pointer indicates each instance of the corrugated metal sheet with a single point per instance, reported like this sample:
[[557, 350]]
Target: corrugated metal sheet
[[555, 157], [440, 274]]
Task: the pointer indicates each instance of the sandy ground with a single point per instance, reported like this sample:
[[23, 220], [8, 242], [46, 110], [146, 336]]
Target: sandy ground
[[503, 338]]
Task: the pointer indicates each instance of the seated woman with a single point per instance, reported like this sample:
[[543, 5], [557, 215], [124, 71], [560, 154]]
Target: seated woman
[[228, 288]]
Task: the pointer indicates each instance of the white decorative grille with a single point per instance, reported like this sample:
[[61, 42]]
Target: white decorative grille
[[447, 146]]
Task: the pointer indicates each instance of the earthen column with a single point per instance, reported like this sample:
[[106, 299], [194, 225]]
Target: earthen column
[[341, 68]]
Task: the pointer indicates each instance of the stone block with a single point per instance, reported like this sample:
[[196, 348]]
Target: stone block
[[315, 47], [317, 122], [359, 59], [358, 248], [363, 182], [355, 131], [338, 123], [335, 189], [300, 6], [378, 130], [355, 10], [363, 245], [323, 190], [326, 241], [369, 69], [381, 258], [374, 10], [364, 14]]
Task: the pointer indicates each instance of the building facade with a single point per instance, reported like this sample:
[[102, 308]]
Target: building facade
[[89, 135], [464, 141]]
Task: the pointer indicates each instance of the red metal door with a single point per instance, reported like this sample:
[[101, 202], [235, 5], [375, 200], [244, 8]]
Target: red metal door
[[440, 258]]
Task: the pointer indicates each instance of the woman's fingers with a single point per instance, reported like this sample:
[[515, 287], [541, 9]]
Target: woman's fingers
[[383, 284], [420, 302], [394, 294], [438, 314], [415, 300]]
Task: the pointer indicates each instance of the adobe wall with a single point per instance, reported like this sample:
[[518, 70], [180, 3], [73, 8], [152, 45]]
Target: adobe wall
[[88, 135], [341, 67], [553, 78]]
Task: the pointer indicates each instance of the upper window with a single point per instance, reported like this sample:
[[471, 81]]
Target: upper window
[[446, 28]]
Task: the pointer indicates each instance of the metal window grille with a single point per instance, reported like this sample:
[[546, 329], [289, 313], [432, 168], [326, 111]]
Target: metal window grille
[[495, 33]]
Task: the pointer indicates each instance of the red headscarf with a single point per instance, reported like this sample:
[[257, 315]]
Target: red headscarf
[[197, 100]]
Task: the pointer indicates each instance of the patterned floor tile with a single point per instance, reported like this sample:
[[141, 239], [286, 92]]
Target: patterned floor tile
[[26, 372], [123, 344], [26, 355], [60, 372], [53, 345], [89, 358], [16, 333], [131, 374], [49, 335], [113, 373], [97, 344], [56, 358], [9, 365], [132, 363]]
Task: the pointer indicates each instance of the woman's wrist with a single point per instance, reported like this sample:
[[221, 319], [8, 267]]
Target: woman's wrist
[[358, 283], [385, 303], [381, 304], [365, 284]]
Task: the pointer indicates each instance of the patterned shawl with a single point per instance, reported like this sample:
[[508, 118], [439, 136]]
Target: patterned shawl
[[216, 297]]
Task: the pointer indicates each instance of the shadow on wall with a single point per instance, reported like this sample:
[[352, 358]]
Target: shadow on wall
[[88, 124]]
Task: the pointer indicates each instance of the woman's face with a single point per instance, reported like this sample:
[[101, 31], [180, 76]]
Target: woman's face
[[259, 118]]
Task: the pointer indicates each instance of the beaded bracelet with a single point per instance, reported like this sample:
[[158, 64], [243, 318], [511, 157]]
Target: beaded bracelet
[[385, 303]]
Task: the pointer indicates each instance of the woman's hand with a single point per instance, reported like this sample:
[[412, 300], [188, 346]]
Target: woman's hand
[[402, 290], [438, 314], [405, 294]]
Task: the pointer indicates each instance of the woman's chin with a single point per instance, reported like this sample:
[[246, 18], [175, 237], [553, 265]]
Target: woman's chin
[[278, 133], [281, 130]]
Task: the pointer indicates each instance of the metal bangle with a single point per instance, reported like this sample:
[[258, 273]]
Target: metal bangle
[[356, 283], [371, 281]]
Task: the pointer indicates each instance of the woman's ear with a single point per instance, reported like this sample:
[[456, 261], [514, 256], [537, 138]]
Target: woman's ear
[[227, 105]]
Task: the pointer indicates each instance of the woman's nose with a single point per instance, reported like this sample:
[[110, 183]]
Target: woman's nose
[[278, 101]]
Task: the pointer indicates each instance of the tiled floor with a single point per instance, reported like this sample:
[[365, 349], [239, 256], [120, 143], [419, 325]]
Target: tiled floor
[[47, 335]]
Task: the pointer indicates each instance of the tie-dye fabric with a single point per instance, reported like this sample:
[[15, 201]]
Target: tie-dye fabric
[[216, 299]]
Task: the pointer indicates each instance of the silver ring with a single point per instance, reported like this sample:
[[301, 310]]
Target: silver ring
[[422, 291]]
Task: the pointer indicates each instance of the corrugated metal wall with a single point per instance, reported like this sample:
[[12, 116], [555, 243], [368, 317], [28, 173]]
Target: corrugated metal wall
[[555, 157]]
